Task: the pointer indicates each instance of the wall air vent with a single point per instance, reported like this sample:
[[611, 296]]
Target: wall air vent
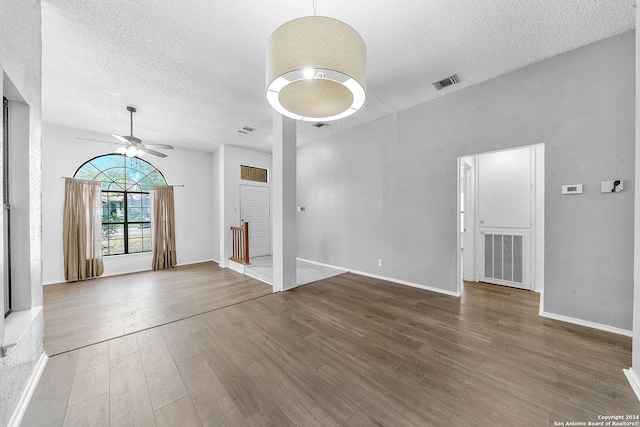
[[446, 82], [320, 125]]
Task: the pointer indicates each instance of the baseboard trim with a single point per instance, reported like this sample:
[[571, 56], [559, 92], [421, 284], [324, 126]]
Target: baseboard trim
[[322, 264], [634, 381], [586, 323], [18, 414], [238, 268], [388, 279], [56, 282]]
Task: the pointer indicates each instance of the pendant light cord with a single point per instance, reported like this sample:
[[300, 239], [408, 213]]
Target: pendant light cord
[[315, 8]]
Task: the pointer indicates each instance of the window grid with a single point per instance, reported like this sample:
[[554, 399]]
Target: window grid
[[126, 210]]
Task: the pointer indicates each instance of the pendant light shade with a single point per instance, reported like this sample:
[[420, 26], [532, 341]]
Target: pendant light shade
[[316, 69]]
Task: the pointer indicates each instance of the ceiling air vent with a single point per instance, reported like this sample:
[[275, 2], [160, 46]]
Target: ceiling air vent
[[320, 125], [447, 82], [246, 129]]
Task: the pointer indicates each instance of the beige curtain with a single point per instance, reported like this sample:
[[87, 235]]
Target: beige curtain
[[82, 230], [162, 228]]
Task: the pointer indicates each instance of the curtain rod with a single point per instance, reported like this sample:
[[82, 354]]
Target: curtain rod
[[174, 185]]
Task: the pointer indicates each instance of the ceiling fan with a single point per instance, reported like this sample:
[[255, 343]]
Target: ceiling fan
[[132, 146]]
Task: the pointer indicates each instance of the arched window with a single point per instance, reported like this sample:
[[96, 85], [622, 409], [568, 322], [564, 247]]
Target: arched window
[[126, 209]]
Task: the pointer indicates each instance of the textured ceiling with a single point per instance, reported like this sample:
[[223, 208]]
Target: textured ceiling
[[196, 69]]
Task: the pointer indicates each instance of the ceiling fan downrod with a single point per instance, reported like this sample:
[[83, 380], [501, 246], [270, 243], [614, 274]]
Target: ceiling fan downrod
[[131, 110]]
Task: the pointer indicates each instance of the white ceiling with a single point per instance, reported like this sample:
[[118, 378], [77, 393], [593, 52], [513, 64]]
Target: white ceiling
[[195, 69]]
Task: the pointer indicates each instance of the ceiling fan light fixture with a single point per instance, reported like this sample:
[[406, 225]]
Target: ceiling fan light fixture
[[131, 151], [316, 69], [121, 150]]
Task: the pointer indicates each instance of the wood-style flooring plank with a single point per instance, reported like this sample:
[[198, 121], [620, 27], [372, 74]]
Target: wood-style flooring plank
[[207, 392], [270, 415], [177, 413], [163, 380], [93, 412], [122, 346], [91, 378], [236, 382], [128, 394], [176, 336], [295, 403]]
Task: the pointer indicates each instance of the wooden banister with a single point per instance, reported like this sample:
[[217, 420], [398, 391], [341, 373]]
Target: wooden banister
[[240, 244]]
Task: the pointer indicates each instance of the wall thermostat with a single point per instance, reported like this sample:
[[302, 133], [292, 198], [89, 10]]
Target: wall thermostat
[[572, 189], [611, 186]]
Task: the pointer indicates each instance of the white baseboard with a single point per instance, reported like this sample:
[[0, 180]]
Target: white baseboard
[[18, 414], [388, 279], [239, 268], [593, 325], [323, 264], [634, 381], [55, 282]]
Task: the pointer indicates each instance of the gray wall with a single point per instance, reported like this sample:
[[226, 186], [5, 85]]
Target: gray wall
[[387, 190], [21, 60]]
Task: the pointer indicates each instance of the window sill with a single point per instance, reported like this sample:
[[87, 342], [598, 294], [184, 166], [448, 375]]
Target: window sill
[[133, 255], [15, 326]]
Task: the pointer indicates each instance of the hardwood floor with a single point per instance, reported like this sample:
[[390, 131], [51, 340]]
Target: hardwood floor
[[348, 350], [83, 313]]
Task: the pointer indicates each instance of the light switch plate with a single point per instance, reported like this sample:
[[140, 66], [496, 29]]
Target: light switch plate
[[611, 186]]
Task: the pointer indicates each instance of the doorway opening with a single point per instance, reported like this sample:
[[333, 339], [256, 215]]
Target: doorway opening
[[501, 218]]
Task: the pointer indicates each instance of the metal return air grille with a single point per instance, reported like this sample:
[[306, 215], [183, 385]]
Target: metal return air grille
[[503, 257], [451, 80]]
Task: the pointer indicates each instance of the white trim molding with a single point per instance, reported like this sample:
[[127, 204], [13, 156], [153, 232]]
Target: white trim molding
[[235, 266], [388, 279], [18, 414], [634, 381], [586, 323], [15, 325], [345, 270]]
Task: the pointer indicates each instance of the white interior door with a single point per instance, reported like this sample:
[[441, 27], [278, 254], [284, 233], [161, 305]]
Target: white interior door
[[255, 209], [505, 211]]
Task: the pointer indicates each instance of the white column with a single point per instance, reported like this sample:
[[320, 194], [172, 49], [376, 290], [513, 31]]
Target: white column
[[224, 237], [283, 186]]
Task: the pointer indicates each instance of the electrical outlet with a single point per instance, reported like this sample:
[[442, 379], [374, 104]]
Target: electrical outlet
[[379, 263]]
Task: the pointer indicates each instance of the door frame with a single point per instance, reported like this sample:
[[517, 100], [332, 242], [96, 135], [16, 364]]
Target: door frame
[[537, 217]]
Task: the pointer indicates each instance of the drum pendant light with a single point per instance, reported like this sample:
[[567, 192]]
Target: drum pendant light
[[316, 69]]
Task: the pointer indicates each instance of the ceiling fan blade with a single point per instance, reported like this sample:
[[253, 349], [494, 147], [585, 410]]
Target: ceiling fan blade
[[153, 152], [98, 140], [132, 139], [160, 146], [121, 138]]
